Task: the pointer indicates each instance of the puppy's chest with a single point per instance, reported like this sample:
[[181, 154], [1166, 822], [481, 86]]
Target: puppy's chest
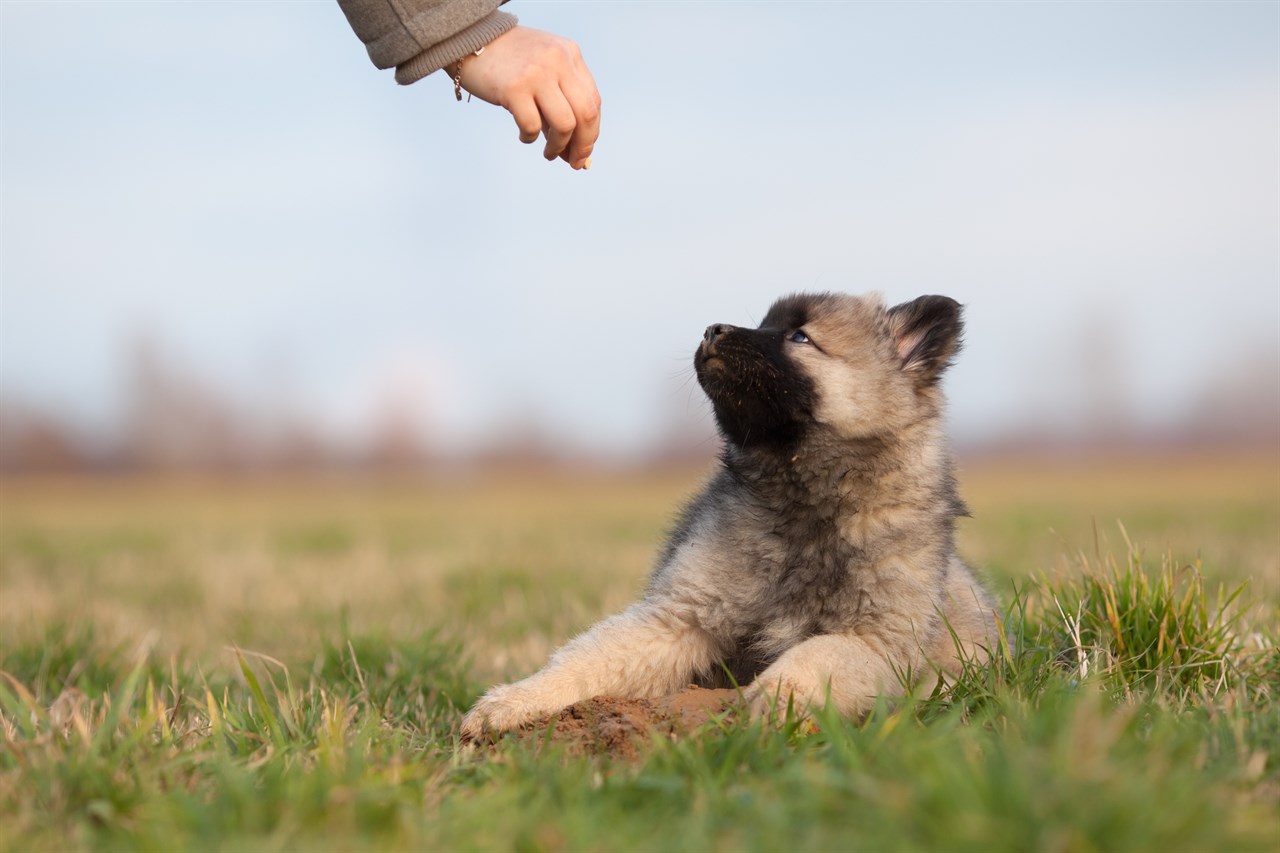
[[808, 582]]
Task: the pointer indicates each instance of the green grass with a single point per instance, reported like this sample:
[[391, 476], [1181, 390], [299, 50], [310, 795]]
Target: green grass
[[303, 688]]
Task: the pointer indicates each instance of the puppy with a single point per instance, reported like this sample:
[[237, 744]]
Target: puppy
[[818, 564]]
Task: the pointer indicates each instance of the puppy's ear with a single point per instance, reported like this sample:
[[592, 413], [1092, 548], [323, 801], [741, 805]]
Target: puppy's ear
[[926, 334]]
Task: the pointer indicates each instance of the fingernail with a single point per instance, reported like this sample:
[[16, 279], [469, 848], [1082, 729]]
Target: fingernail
[[586, 164]]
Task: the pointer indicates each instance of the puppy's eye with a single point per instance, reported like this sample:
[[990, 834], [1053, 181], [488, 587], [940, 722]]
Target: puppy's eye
[[798, 337]]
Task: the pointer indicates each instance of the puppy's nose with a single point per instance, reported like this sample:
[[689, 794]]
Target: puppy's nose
[[714, 331]]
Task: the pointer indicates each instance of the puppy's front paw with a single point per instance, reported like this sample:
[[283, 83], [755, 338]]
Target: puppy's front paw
[[503, 708], [777, 699]]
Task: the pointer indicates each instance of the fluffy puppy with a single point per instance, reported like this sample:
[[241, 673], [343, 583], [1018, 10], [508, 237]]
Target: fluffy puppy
[[818, 564]]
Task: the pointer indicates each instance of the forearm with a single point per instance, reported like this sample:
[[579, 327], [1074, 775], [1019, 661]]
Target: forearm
[[417, 37]]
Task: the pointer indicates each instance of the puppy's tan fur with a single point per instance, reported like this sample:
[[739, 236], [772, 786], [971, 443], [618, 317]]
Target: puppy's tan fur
[[818, 563]]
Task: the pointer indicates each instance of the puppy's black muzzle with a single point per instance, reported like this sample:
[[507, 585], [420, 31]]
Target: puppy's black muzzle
[[715, 331], [714, 335], [758, 395]]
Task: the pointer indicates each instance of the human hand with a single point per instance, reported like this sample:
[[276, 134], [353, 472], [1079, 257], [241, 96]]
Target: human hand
[[541, 79]]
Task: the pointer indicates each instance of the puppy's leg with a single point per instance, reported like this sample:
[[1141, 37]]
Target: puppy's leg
[[853, 669], [970, 617], [647, 650]]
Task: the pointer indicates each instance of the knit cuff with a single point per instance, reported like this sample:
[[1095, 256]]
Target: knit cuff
[[454, 48]]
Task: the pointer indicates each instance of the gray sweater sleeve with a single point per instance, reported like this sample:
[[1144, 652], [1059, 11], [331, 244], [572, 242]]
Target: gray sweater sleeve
[[417, 37]]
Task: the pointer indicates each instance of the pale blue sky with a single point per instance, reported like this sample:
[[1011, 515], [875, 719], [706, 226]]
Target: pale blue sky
[[1096, 181]]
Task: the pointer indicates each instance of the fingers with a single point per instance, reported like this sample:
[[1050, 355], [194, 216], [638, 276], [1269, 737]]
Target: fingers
[[585, 102], [542, 80], [528, 119], [571, 126], [558, 121], [570, 122]]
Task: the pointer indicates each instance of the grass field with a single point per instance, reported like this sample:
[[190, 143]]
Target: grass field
[[273, 665]]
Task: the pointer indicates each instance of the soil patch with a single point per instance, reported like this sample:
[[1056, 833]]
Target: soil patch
[[616, 727]]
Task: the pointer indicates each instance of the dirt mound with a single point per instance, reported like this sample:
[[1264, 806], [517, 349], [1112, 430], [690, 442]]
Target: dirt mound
[[608, 726]]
